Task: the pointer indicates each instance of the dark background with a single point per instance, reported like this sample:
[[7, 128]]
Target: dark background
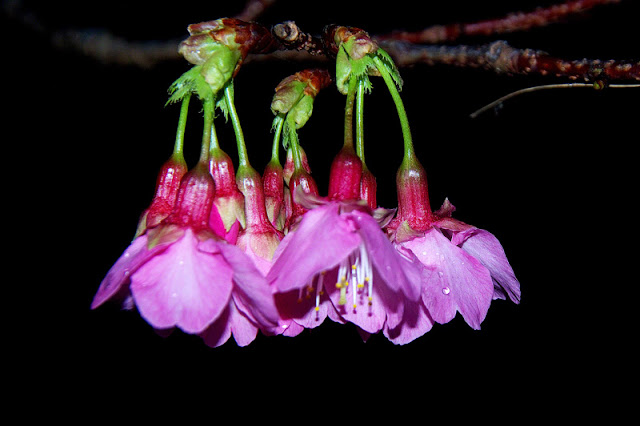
[[551, 174]]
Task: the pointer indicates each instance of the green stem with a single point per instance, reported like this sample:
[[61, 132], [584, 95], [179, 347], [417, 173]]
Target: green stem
[[243, 157], [402, 114], [182, 124], [293, 142], [215, 144], [275, 149], [359, 121], [348, 112], [206, 131]]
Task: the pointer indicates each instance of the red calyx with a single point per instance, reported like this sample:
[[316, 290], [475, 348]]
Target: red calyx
[[167, 185], [194, 200], [345, 176], [413, 196], [368, 188]]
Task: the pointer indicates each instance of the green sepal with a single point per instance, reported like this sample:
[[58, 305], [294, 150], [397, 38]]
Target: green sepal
[[390, 66], [163, 234], [191, 81], [347, 67], [289, 133]]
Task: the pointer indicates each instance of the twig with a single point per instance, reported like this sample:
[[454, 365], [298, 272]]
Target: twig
[[545, 87]]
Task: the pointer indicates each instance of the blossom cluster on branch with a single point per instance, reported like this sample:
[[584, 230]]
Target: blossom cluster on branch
[[227, 251]]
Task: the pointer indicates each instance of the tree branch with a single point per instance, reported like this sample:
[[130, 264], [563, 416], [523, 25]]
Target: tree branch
[[520, 21], [502, 58]]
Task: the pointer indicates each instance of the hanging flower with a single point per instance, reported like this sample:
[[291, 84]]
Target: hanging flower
[[463, 267], [181, 275], [338, 263]]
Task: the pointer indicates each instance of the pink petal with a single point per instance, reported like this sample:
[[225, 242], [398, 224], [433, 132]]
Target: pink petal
[[400, 273], [453, 280], [134, 256], [231, 322], [320, 242], [251, 293], [218, 332], [182, 286], [485, 247], [416, 321]]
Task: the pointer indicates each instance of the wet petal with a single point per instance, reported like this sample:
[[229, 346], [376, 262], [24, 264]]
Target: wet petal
[[453, 280]]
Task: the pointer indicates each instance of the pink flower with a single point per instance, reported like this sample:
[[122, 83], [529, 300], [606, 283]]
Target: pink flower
[[181, 275], [339, 263], [463, 268]]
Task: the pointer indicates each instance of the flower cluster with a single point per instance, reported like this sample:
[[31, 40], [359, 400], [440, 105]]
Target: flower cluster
[[226, 251]]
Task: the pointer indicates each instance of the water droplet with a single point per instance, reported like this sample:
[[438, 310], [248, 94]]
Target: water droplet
[[181, 262], [127, 273], [441, 273], [127, 254], [446, 290], [424, 253], [174, 295]]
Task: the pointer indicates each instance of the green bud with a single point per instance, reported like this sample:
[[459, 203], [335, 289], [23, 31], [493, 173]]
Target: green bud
[[287, 96], [301, 111], [219, 67]]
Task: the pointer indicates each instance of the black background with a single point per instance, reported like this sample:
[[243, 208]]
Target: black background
[[552, 174]]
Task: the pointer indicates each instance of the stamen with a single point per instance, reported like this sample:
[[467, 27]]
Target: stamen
[[319, 290]]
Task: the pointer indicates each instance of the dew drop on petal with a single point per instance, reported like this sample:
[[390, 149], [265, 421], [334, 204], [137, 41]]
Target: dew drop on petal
[[446, 290]]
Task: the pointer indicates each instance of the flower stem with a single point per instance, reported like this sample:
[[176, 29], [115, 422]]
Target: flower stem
[[215, 144], [182, 124], [409, 153], [293, 142], [208, 107], [348, 112], [243, 157], [275, 149], [359, 121]]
